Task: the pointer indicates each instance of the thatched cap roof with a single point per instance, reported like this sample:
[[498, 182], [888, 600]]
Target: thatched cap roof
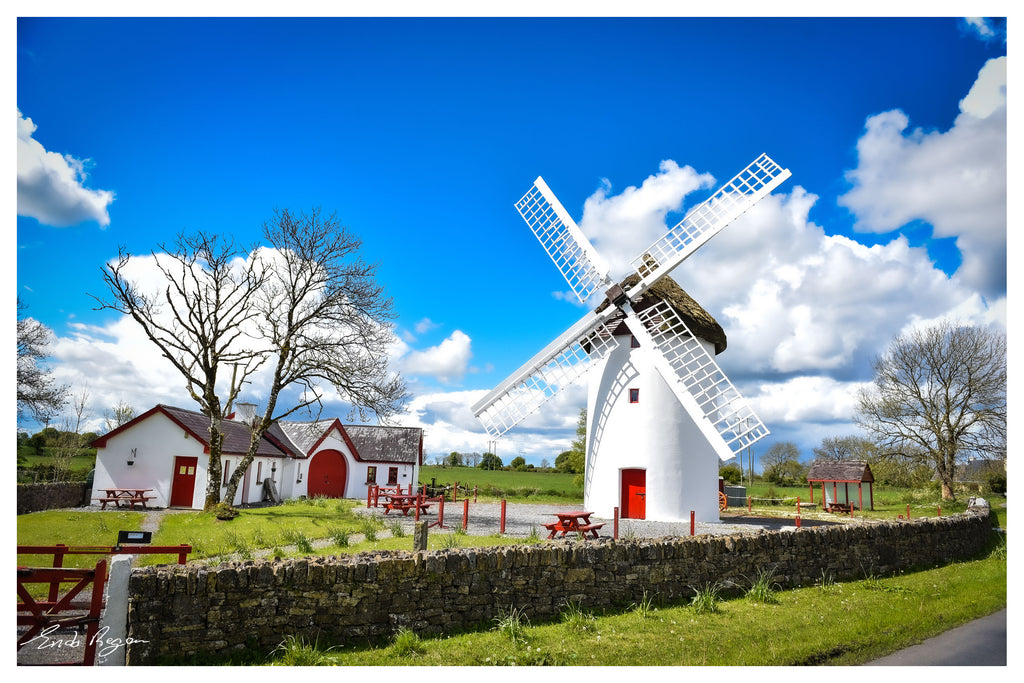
[[695, 317], [843, 470]]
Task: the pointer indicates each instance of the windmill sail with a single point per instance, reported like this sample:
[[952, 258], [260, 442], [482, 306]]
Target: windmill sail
[[706, 220], [561, 363], [577, 260], [715, 405]]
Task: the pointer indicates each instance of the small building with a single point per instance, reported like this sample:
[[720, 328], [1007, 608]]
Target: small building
[[166, 449], [836, 477]]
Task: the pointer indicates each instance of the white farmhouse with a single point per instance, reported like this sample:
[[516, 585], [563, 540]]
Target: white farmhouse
[[645, 455], [166, 449]]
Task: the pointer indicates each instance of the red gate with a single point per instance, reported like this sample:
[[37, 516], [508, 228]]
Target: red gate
[[44, 616]]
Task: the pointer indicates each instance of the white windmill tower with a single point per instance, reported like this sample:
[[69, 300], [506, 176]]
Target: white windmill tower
[[689, 411]]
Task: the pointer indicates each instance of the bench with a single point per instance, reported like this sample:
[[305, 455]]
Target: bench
[[590, 527]]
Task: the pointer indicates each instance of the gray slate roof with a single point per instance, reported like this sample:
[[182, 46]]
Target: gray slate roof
[[843, 470]]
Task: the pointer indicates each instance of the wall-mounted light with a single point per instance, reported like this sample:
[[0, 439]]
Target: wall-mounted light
[[273, 471], [131, 458]]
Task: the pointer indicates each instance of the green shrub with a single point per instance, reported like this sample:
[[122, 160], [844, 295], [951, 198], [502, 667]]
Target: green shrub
[[224, 511], [732, 474], [406, 643], [996, 484]]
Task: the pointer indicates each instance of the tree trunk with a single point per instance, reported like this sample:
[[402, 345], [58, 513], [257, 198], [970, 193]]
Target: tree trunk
[[214, 468]]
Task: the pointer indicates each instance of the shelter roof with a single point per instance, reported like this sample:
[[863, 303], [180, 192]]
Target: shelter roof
[[840, 470]]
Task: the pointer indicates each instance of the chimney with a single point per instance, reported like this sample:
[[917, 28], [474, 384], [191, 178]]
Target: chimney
[[246, 412]]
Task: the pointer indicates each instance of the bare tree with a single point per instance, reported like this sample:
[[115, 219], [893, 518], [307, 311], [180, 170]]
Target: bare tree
[[938, 397], [38, 396], [326, 322], [197, 322], [69, 441], [121, 413], [838, 448]]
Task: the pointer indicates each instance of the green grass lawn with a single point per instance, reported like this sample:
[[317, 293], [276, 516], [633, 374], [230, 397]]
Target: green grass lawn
[[536, 487], [889, 503]]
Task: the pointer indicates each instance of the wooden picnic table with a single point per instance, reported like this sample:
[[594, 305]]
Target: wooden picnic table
[[125, 497], [575, 521], [405, 502]]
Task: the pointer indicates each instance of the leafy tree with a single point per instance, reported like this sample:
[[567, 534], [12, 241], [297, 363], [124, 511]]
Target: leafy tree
[[306, 307], [454, 459], [489, 461], [781, 464], [732, 474], [39, 397], [563, 462], [938, 397], [518, 463]]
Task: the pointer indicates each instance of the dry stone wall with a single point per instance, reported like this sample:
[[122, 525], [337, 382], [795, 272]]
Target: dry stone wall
[[186, 610], [37, 497]]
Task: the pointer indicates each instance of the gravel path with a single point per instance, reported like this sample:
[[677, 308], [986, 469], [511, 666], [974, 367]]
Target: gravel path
[[523, 519]]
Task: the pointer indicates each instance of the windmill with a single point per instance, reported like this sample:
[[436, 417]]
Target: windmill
[[717, 419]]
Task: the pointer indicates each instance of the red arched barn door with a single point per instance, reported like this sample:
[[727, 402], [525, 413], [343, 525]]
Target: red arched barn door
[[327, 474]]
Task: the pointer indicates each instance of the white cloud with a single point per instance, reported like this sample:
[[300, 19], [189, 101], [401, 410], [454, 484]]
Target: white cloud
[[447, 362], [425, 325], [806, 399], [51, 186], [953, 180], [621, 226]]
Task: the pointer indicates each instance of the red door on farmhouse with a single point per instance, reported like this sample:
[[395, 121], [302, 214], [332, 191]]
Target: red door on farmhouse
[[634, 494], [183, 485], [327, 472]]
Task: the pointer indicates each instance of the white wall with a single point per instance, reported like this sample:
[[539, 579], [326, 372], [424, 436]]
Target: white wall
[[156, 440], [656, 434]]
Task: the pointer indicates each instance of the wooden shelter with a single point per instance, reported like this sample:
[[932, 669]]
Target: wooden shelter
[[837, 476]]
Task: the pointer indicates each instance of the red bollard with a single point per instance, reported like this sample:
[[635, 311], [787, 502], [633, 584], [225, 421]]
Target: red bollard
[[502, 516], [940, 511], [908, 511], [691, 522], [465, 513], [798, 520], [455, 492], [615, 534], [419, 501], [369, 494]]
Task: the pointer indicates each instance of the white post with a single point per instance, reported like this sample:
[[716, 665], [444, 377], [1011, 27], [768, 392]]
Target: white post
[[110, 648]]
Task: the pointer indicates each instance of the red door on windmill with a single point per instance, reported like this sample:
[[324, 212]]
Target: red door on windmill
[[634, 494], [327, 474]]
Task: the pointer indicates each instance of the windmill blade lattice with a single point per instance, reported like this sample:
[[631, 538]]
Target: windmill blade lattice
[[728, 420], [577, 260], [560, 364], [706, 220]]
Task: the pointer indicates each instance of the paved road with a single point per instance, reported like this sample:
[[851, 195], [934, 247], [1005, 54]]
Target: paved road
[[981, 642]]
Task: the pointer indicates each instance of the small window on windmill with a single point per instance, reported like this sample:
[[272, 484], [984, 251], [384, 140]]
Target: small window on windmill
[[634, 395]]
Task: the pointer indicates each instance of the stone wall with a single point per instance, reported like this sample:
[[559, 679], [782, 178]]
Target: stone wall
[[193, 609], [36, 497]]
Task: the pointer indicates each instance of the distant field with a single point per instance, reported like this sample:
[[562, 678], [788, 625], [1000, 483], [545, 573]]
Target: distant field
[[499, 483]]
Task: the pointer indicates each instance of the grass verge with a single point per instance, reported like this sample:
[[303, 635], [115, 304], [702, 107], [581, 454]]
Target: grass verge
[[830, 623]]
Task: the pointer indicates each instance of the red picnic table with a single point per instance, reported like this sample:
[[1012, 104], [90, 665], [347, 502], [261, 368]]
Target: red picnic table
[[405, 502], [125, 497], [578, 521]]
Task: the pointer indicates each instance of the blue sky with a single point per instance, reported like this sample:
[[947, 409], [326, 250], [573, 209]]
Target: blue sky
[[421, 133]]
